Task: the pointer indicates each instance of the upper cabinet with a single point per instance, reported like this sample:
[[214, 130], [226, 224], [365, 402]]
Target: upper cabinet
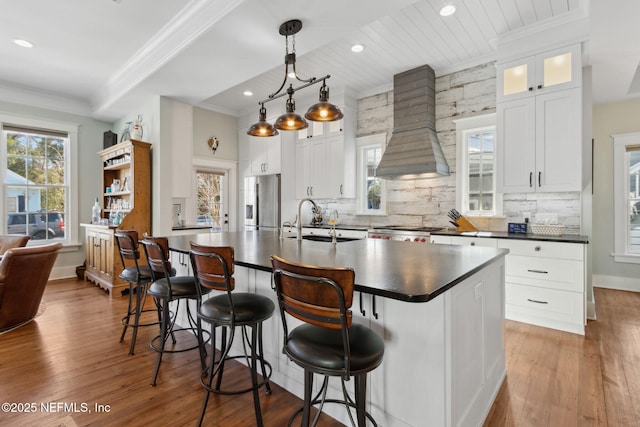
[[325, 159], [558, 69], [265, 155], [539, 123], [321, 129]]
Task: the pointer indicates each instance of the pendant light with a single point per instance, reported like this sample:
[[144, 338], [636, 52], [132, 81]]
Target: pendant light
[[322, 111], [290, 120], [262, 127]]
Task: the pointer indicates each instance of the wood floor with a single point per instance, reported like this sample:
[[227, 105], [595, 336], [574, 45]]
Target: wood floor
[[71, 355]]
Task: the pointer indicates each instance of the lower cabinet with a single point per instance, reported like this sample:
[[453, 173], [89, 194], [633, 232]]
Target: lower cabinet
[[545, 281], [102, 259], [545, 284]]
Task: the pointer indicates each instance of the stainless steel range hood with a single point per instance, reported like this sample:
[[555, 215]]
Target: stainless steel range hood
[[414, 151]]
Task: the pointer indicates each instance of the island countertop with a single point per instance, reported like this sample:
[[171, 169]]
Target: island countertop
[[399, 270]]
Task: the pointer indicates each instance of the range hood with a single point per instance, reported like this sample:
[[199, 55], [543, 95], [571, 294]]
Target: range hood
[[414, 151]]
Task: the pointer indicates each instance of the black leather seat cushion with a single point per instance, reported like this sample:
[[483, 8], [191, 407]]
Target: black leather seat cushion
[[322, 351], [181, 287], [249, 308], [130, 274]]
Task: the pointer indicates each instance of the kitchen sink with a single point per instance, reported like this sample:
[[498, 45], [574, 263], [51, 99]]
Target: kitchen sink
[[317, 238]]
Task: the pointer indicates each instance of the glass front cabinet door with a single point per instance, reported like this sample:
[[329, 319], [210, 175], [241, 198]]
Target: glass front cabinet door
[[534, 75]]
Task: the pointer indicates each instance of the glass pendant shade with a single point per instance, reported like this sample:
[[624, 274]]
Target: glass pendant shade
[[290, 120], [262, 127], [323, 111]]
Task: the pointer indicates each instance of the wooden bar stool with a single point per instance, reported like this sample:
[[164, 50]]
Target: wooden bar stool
[[327, 343], [165, 289], [213, 268], [139, 277]]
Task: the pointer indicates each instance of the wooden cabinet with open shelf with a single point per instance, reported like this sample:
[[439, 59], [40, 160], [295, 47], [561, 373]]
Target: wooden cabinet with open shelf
[[128, 163]]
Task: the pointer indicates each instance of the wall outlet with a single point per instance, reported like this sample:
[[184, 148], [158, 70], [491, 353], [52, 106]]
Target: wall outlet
[[547, 218]]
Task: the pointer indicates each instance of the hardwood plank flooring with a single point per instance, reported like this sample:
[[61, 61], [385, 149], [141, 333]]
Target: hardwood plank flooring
[[560, 379], [71, 354]]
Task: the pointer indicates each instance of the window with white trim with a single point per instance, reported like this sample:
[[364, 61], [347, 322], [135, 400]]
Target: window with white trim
[[476, 165], [626, 179], [371, 190], [36, 175]]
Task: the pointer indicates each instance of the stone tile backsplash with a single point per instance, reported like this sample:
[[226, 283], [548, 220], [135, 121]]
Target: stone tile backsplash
[[426, 202]]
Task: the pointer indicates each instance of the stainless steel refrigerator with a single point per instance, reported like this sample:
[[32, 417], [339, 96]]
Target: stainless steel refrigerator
[[262, 202]]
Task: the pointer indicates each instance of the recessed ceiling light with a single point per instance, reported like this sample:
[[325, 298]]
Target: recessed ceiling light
[[448, 10], [247, 93], [23, 43], [357, 48]]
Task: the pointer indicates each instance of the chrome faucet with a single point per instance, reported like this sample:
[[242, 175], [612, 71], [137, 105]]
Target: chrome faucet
[[299, 219]]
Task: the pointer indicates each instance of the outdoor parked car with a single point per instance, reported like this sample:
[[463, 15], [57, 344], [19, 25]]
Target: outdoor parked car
[[41, 225]]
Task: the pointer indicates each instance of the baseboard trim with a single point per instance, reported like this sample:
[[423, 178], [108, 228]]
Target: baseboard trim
[[65, 272], [615, 282]]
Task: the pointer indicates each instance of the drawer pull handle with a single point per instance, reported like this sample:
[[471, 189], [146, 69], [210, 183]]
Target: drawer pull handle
[[536, 301], [538, 271]]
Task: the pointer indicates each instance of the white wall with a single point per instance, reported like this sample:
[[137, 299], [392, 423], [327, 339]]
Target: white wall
[[609, 119]]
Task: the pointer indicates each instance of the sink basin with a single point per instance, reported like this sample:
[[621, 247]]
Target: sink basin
[[317, 238]]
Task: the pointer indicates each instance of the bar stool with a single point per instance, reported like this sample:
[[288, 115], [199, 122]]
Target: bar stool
[[165, 289], [213, 268], [139, 277], [327, 343]]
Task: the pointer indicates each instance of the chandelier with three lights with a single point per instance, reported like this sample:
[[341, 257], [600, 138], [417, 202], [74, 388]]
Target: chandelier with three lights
[[323, 111]]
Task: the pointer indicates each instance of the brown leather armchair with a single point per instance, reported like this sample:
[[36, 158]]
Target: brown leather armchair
[[24, 273], [9, 241]]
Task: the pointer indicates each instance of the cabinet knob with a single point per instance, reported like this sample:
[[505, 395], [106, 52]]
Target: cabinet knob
[[539, 86], [531, 89], [473, 243], [537, 248]]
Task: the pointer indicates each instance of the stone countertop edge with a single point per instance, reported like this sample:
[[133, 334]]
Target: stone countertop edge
[[563, 238], [190, 227], [392, 269]]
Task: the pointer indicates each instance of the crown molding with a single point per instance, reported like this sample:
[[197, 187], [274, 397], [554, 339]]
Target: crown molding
[[193, 20], [49, 101]]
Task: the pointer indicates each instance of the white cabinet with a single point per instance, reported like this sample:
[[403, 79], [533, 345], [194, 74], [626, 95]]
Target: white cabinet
[[558, 69], [538, 143], [474, 241], [265, 155], [311, 166], [545, 284], [325, 168], [320, 129], [545, 281]]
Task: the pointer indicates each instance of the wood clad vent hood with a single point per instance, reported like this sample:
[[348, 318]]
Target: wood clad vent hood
[[413, 152]]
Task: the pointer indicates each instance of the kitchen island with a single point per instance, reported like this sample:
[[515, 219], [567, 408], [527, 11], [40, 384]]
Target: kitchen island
[[439, 309]]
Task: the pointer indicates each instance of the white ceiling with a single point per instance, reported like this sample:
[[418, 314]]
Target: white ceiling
[[104, 57]]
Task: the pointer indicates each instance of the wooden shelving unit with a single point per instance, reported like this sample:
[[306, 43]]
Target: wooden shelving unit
[[130, 163]]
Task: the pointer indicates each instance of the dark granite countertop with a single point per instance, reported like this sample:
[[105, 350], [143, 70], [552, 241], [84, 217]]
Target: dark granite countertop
[[392, 269], [563, 238], [190, 227]]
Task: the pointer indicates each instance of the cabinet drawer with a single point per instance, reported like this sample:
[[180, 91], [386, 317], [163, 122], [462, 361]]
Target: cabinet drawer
[[543, 249], [527, 303], [552, 273], [474, 241]]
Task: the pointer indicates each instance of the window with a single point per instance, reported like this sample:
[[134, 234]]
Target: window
[[626, 159], [371, 195], [36, 174], [209, 208], [476, 165]]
